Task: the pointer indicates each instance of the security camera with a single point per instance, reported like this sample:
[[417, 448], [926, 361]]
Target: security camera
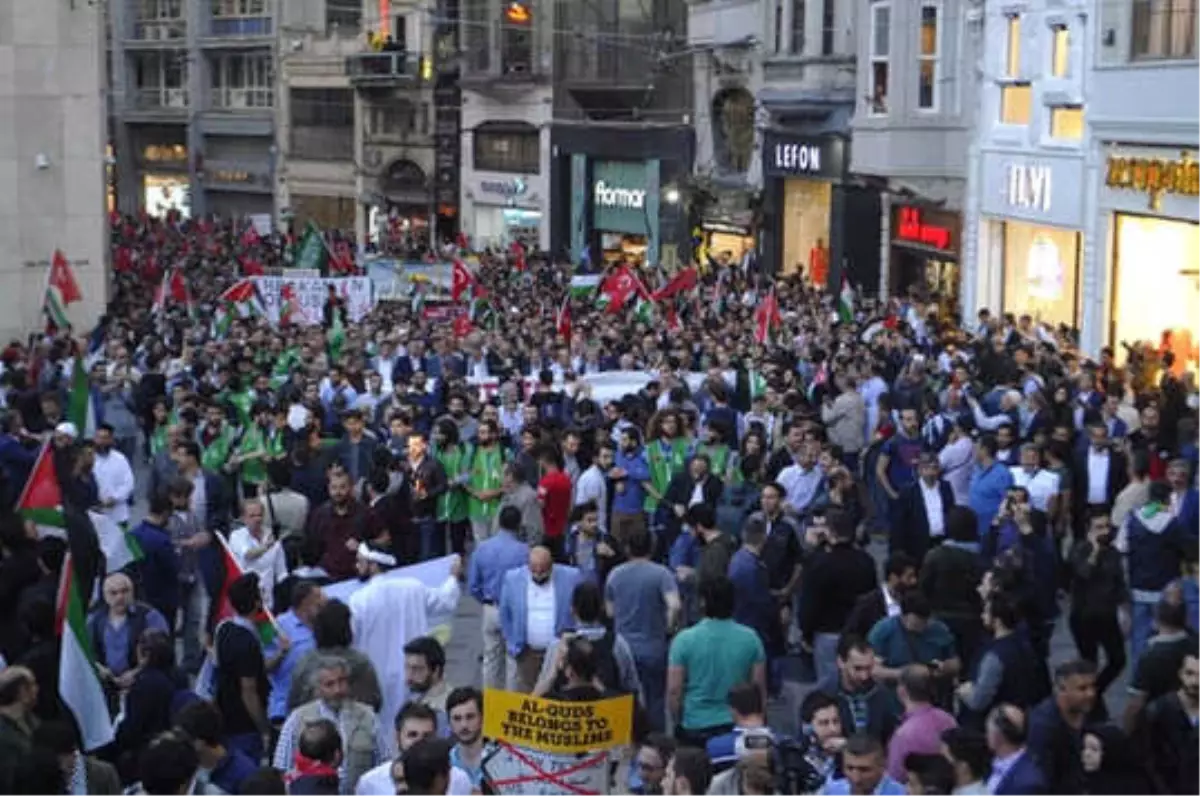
[[41, 162]]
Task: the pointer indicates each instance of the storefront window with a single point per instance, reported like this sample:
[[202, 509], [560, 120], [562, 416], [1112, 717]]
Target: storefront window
[[1041, 272], [1157, 284], [507, 148], [163, 193], [806, 228]]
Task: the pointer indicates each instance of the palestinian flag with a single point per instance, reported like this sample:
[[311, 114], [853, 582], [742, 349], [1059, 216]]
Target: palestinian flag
[[643, 312], [766, 318], [845, 306], [244, 296], [78, 680], [221, 322], [81, 409], [41, 499], [264, 622], [62, 290], [120, 547], [584, 286]]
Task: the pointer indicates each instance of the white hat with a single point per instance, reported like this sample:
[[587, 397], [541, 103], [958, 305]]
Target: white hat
[[67, 430]]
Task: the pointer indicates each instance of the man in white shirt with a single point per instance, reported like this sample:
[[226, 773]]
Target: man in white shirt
[[956, 461], [1042, 485], [803, 481], [414, 723], [257, 550], [114, 476], [592, 485]]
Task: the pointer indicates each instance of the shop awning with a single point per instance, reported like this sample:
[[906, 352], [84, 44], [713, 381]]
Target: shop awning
[[819, 113]]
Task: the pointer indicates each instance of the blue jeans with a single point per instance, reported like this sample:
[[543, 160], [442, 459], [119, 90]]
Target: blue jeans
[[433, 538], [825, 655], [653, 674], [1141, 628]]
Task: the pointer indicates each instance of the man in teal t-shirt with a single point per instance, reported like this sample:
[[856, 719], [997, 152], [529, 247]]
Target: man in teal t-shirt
[[707, 660]]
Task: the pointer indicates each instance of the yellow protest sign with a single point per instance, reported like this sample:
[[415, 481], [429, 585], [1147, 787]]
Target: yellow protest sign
[[564, 728]]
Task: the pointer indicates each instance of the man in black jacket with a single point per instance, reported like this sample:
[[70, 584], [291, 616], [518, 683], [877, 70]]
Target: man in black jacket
[[696, 485], [921, 510], [837, 577], [864, 704], [900, 575]]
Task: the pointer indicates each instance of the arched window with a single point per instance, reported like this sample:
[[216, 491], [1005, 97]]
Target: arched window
[[733, 112]]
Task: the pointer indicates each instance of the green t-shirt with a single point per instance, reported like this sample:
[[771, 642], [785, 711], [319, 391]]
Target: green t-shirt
[[716, 655], [887, 638], [666, 461], [452, 504]]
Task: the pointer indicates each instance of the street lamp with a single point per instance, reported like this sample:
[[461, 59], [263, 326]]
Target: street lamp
[[672, 196]]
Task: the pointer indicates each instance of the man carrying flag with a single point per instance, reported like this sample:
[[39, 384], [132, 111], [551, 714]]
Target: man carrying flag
[[766, 318], [845, 306], [62, 290]]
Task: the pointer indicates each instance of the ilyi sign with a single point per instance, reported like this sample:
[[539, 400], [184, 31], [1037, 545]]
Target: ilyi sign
[[1046, 189]]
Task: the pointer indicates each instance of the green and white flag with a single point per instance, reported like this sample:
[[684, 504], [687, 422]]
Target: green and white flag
[[644, 311], [41, 499], [846, 302], [312, 252], [120, 547], [81, 409], [584, 285], [78, 679]]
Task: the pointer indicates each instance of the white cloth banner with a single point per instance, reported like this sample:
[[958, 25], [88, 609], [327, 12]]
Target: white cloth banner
[[311, 294], [606, 386]]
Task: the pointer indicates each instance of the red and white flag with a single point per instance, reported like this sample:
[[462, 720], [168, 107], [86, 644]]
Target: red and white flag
[[461, 278], [563, 320]]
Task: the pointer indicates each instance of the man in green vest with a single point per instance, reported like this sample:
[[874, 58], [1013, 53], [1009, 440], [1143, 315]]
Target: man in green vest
[[485, 479], [452, 504]]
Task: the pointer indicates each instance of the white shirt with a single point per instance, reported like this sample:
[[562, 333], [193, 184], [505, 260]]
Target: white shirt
[[934, 510], [271, 566], [956, 459], [799, 485], [890, 603], [593, 486], [114, 481], [1041, 486], [539, 615], [697, 493], [1097, 469], [378, 782]]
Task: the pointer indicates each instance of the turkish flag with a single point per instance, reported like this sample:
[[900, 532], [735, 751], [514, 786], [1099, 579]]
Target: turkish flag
[[683, 281], [618, 287], [461, 278], [462, 325], [563, 322]]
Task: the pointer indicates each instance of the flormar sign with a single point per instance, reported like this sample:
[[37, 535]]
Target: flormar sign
[[1155, 176], [605, 195]]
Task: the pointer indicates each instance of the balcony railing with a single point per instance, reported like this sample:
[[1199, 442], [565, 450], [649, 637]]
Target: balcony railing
[[159, 99], [160, 30], [385, 68], [243, 99], [240, 27]]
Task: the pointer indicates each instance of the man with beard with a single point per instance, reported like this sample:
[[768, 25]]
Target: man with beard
[[427, 483], [1168, 733], [485, 474], [387, 613], [464, 707], [424, 674], [338, 524], [114, 477]]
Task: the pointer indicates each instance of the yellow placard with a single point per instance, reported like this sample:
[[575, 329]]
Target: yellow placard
[[564, 728]]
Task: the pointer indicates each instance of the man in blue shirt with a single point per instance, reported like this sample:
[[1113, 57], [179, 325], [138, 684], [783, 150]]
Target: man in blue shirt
[[629, 474], [226, 768], [753, 604], [863, 767], [296, 626], [989, 483], [485, 576], [157, 572]]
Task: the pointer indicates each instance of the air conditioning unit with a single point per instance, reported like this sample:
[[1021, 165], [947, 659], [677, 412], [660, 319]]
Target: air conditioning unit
[[238, 98], [175, 97]]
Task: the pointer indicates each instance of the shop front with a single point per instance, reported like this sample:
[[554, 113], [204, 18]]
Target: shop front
[[622, 188], [1149, 202], [814, 220], [504, 209], [1031, 240], [924, 252]]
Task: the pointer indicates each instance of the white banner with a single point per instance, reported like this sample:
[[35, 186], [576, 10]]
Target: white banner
[[311, 294], [607, 386]]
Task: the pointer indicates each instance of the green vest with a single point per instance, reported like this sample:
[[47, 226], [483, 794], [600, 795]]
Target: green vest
[[718, 457], [452, 504], [485, 472], [243, 402], [254, 471], [158, 440], [216, 453], [665, 463]]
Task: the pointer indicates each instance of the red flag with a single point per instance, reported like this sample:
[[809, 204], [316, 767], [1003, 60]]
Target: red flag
[[252, 267], [461, 278], [673, 324], [517, 252], [250, 236], [462, 325], [766, 318], [264, 620], [563, 322], [618, 287], [342, 260], [179, 289], [63, 278], [682, 282], [460, 241]]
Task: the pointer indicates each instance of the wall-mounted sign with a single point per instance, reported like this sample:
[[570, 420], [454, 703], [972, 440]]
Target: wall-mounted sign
[[928, 228], [786, 155], [1029, 187], [509, 188], [1155, 176], [606, 195]]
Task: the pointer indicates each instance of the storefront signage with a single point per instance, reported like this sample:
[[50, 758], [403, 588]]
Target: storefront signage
[[510, 188], [912, 227], [1155, 176], [787, 155], [606, 195], [1029, 187]]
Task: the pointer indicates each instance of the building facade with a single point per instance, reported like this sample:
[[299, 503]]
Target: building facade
[[52, 158], [315, 112], [193, 105], [1142, 176], [1025, 237], [775, 97], [912, 128]]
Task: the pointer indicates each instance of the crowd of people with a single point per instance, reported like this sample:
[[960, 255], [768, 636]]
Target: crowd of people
[[710, 541]]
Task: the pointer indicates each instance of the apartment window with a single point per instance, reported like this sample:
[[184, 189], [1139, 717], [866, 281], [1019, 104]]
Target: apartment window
[[1164, 29], [510, 148], [395, 118], [241, 81], [797, 31], [929, 56], [160, 9], [1012, 61], [1060, 50], [1066, 123], [239, 8], [322, 123], [779, 25], [881, 24], [346, 15]]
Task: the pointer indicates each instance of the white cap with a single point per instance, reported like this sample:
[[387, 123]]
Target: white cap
[[67, 430]]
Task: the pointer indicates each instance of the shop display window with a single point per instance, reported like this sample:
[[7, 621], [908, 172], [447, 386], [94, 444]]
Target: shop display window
[[1041, 273], [806, 227]]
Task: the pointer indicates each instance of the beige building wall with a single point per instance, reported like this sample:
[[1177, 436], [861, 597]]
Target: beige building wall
[[52, 168]]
